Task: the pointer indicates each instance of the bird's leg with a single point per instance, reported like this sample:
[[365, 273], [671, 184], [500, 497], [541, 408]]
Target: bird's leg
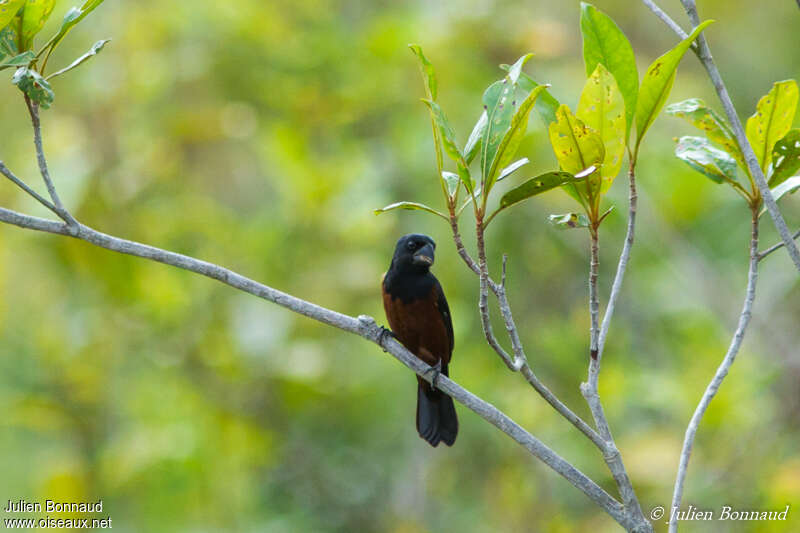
[[436, 369], [385, 332]]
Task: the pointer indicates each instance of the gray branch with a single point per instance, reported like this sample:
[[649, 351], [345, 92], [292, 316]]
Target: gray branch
[[624, 257], [722, 371], [60, 210], [777, 246], [704, 54], [363, 326], [4, 170]]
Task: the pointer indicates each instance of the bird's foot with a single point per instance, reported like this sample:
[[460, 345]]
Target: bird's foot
[[385, 332], [437, 370]]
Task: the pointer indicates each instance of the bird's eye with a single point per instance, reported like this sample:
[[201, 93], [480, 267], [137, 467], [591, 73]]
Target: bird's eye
[[411, 245]]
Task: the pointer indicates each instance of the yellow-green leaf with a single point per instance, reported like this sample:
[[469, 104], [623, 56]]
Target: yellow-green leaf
[[34, 16], [772, 120], [602, 108], [410, 206], [605, 44], [9, 8], [657, 83], [577, 147]]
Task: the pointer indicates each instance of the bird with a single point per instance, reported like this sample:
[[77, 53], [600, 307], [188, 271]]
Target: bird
[[419, 318]]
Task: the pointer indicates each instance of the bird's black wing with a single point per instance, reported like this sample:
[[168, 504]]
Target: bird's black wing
[[444, 310]]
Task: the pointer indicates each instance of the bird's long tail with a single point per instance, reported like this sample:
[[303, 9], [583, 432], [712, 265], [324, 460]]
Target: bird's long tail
[[436, 414]]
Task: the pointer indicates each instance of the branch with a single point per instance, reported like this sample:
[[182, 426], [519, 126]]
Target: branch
[[362, 326], [777, 246], [704, 54], [624, 257], [527, 371], [589, 390], [519, 359], [722, 371], [59, 209], [4, 170]]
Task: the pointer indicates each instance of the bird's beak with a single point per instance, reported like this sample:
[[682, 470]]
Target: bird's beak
[[424, 256]]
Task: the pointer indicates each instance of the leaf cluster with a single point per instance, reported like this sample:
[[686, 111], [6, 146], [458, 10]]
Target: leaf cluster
[[20, 22]]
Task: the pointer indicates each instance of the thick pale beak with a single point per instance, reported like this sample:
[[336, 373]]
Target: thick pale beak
[[424, 256]]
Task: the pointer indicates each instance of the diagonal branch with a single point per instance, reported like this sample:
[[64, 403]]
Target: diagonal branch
[[363, 326], [777, 246], [722, 371], [4, 170], [60, 210], [704, 54]]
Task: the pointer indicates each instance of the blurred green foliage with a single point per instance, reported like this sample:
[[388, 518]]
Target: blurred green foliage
[[261, 136]]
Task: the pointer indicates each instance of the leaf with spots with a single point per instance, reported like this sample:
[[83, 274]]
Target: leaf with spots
[[34, 16], [657, 83], [772, 120], [20, 60], [499, 102], [785, 158], [716, 164], [513, 136], [577, 147], [605, 44], [34, 85], [602, 108], [546, 105], [569, 220], [697, 113], [8, 9]]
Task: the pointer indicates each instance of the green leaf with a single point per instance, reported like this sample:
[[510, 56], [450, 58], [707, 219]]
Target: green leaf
[[788, 186], [410, 206], [602, 108], [513, 136], [34, 85], [93, 51], [8, 9], [714, 163], [577, 147], [8, 42], [772, 120], [546, 105], [428, 74], [534, 186], [71, 19], [513, 167], [569, 221], [34, 16], [431, 90], [20, 60], [448, 141], [605, 44], [657, 83], [452, 180], [695, 111], [785, 158], [474, 141]]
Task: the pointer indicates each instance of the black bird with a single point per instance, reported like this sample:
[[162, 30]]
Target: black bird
[[420, 319]]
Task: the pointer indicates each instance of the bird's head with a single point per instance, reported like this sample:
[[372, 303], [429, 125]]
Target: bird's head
[[414, 253]]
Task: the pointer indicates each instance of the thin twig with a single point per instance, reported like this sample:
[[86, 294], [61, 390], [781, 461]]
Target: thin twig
[[590, 391], [624, 257], [777, 246], [363, 326], [674, 26], [722, 371], [60, 210], [515, 363], [527, 371], [24, 186], [704, 55]]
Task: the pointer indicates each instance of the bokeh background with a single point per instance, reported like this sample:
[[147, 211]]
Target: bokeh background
[[261, 135]]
